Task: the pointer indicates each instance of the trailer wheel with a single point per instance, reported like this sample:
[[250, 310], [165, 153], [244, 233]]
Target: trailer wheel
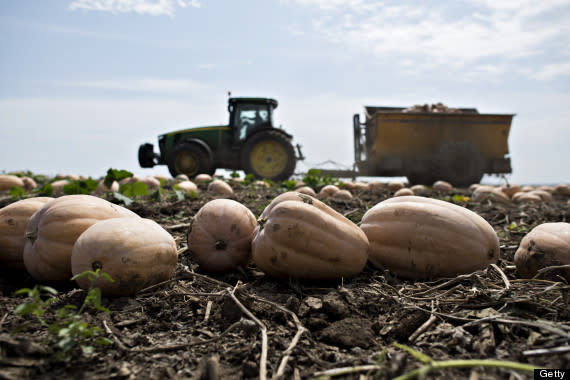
[[189, 159], [459, 163], [270, 155]]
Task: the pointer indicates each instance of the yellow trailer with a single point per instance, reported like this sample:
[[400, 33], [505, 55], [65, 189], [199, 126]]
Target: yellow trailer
[[457, 145]]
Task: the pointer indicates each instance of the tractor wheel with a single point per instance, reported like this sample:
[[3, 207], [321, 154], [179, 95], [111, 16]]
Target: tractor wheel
[[189, 159], [146, 155], [420, 178], [459, 163], [269, 155]]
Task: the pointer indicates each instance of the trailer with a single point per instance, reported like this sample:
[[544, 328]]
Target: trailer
[[426, 144]]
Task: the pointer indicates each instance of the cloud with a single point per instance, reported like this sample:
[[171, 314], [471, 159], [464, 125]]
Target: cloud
[[142, 7], [462, 37]]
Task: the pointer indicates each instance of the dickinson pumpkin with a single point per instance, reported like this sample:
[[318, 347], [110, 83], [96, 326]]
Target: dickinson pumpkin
[[135, 252], [13, 220], [9, 181], [54, 228], [547, 244], [417, 237], [220, 235], [299, 236]]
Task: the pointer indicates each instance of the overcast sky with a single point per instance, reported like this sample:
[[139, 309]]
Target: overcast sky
[[84, 82]]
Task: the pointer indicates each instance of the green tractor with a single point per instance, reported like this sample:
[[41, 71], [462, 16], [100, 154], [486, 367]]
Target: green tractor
[[250, 143]]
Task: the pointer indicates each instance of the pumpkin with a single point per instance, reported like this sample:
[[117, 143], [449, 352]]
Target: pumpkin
[[494, 194], [562, 189], [510, 189], [328, 191], [236, 182], [547, 244], [376, 186], [522, 197], [202, 179], [418, 238], [306, 190], [342, 196], [135, 252], [29, 183], [9, 181], [299, 236], [544, 195], [442, 187], [395, 185], [182, 178], [348, 185], [419, 190], [220, 235], [151, 182], [13, 220], [220, 188], [57, 186], [403, 192], [360, 186], [187, 186], [54, 228], [101, 188]]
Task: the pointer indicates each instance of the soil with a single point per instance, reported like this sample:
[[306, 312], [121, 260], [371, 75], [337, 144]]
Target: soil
[[244, 325]]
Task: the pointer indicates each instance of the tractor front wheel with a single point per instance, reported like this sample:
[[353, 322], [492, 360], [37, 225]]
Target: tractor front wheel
[[269, 155], [189, 159]]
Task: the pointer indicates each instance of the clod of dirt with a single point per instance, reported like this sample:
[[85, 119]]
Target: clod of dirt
[[349, 332], [335, 306]]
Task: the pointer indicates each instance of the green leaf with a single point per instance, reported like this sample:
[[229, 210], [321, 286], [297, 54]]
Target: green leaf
[[48, 289], [17, 192], [140, 189], [46, 190], [80, 187], [84, 274], [123, 198], [178, 194], [115, 175]]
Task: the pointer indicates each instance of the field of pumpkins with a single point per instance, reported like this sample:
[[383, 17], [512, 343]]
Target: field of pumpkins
[[237, 278]]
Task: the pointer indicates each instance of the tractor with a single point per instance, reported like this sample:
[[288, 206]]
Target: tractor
[[250, 142]]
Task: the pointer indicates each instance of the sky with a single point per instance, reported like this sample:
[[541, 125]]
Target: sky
[[84, 82]]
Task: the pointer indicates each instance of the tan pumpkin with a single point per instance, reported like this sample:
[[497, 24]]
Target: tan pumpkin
[[135, 252], [220, 188], [342, 195], [306, 190], [9, 181], [510, 189], [490, 193], [101, 188], [328, 191], [562, 189], [301, 237], [442, 187], [547, 244], [54, 228], [403, 192], [361, 186], [528, 197], [151, 182], [13, 220], [418, 238], [419, 190], [348, 185], [202, 179], [395, 185], [182, 178], [376, 186], [544, 195], [187, 186], [57, 186], [220, 236], [29, 183]]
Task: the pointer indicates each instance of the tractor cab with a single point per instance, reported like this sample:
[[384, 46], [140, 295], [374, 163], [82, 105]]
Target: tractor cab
[[248, 115]]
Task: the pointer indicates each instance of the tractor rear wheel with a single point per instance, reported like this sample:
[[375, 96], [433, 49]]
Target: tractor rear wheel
[[190, 159], [269, 155]]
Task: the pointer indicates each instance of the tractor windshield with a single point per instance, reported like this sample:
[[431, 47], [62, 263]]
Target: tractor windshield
[[249, 117]]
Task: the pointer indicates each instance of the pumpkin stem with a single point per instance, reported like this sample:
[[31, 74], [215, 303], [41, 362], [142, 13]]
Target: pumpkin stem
[[261, 222], [32, 236], [96, 265], [221, 245]]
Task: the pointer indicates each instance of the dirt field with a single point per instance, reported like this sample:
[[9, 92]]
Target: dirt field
[[204, 327]]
